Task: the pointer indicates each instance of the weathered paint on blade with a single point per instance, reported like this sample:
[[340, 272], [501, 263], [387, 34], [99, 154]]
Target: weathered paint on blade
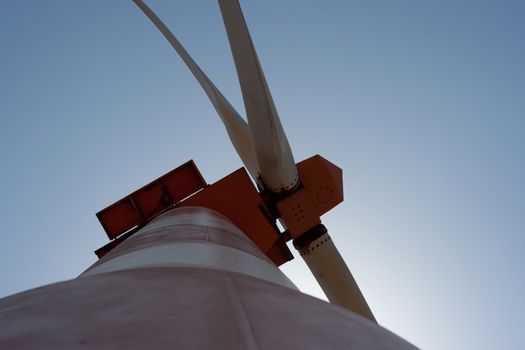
[[334, 276], [276, 162], [235, 125]]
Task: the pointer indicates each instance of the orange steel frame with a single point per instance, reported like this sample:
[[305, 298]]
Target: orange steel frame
[[235, 197]]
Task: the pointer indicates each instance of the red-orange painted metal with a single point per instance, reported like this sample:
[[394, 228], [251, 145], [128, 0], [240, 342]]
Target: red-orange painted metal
[[323, 181], [298, 212], [235, 197], [321, 190], [142, 205]]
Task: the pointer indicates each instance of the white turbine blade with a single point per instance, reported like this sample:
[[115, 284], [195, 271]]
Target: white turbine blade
[[334, 277], [235, 125], [276, 162]]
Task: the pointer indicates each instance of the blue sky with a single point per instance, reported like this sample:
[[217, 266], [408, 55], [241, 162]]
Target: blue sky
[[421, 103]]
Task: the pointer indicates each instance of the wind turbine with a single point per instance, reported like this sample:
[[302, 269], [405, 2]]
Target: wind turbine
[[265, 151], [180, 269]]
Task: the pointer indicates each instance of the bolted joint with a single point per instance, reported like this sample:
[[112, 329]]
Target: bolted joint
[[298, 212], [309, 236]]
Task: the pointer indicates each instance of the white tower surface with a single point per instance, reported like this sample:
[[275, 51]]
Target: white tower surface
[[189, 279]]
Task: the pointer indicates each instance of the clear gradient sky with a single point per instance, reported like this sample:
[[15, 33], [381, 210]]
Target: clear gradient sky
[[420, 102]]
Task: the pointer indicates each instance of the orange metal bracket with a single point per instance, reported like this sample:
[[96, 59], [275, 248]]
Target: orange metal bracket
[[322, 189], [147, 202], [235, 197]]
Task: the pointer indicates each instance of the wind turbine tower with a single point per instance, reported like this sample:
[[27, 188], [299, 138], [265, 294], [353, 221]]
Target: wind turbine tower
[[192, 265]]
